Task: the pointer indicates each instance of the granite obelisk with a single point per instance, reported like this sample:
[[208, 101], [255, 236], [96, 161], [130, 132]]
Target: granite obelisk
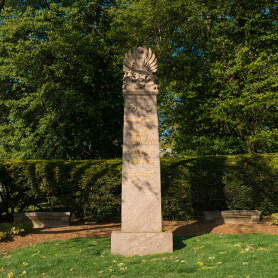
[[141, 231]]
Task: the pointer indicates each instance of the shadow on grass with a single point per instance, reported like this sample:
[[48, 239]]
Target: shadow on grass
[[179, 242], [196, 228]]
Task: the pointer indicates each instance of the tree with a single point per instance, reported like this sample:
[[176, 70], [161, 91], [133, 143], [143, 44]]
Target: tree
[[218, 71], [61, 75], [60, 86]]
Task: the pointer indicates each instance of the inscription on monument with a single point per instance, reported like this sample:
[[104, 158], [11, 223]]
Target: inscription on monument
[[140, 131]]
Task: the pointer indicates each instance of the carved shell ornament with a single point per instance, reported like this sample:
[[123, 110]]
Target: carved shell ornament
[[140, 59], [140, 65]]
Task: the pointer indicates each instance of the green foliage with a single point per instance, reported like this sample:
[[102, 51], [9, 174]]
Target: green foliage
[[203, 256], [60, 89], [217, 71], [251, 182], [7, 230], [193, 185], [189, 185], [274, 219], [87, 188], [3, 154], [61, 75]]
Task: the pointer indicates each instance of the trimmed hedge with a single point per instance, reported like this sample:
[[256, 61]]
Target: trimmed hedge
[[190, 185], [86, 188], [242, 182]]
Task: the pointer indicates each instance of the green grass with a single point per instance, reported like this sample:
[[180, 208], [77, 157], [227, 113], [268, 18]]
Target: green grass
[[212, 256]]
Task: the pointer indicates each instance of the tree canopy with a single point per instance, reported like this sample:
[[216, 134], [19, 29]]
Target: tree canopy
[[60, 92], [61, 75]]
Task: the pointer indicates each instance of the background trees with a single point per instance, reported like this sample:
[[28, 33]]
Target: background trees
[[60, 93], [61, 75]]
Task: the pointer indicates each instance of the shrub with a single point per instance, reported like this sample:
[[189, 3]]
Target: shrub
[[87, 188], [242, 182], [274, 219], [7, 230], [251, 182], [190, 185]]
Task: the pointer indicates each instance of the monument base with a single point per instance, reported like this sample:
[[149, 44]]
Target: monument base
[[141, 243]]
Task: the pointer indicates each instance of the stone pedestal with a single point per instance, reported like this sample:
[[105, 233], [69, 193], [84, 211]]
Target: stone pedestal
[[141, 231], [123, 243]]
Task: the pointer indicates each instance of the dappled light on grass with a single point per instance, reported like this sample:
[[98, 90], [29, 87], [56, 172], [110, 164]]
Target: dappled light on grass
[[201, 256]]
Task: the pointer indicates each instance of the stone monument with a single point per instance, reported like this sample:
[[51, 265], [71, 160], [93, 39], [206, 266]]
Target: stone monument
[[141, 231]]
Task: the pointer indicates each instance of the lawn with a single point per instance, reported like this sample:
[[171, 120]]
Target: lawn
[[254, 255]]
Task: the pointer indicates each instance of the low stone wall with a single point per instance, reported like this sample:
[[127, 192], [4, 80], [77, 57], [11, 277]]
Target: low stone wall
[[232, 217], [44, 219]]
